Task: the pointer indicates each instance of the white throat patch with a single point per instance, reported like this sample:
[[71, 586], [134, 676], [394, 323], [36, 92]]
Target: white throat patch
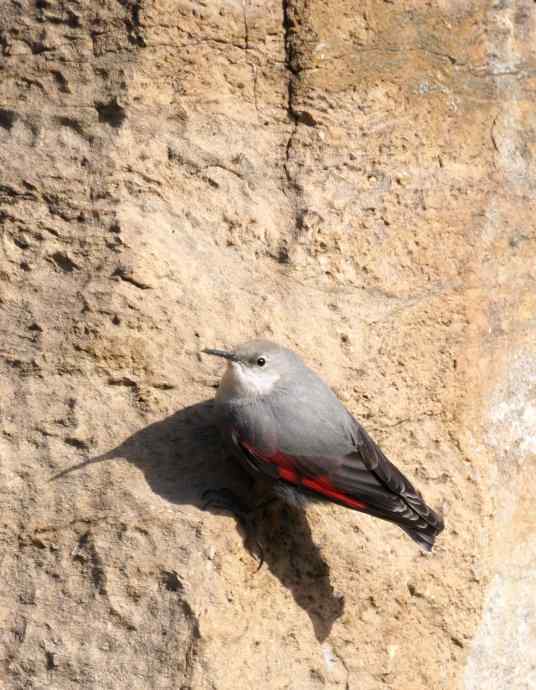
[[241, 381]]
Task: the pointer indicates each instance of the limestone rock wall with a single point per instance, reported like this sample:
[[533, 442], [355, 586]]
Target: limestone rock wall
[[355, 180]]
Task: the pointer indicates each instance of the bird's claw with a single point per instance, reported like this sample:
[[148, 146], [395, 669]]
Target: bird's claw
[[226, 500]]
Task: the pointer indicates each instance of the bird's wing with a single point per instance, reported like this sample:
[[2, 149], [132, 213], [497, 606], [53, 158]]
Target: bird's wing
[[389, 476], [363, 479]]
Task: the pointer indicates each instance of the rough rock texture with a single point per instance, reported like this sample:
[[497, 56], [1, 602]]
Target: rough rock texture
[[354, 179]]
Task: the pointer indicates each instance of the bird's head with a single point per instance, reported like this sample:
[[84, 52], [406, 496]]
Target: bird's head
[[253, 369]]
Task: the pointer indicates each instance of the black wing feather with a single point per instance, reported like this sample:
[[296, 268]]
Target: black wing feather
[[392, 479], [367, 475]]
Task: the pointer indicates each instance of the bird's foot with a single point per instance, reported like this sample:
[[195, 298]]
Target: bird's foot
[[227, 500]]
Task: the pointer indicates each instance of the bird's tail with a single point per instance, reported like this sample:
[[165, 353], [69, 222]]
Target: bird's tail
[[425, 537], [423, 528]]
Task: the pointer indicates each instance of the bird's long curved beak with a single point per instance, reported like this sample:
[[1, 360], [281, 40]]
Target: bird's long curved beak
[[221, 353]]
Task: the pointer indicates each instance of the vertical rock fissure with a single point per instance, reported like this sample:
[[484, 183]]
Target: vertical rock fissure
[[246, 27], [251, 65], [291, 189]]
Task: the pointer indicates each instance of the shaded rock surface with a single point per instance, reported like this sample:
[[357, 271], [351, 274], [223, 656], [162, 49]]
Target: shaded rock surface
[[354, 180]]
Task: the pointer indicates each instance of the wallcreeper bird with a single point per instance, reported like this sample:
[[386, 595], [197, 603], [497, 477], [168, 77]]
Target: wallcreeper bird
[[282, 422]]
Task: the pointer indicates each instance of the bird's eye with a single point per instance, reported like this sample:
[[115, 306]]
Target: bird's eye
[[261, 361]]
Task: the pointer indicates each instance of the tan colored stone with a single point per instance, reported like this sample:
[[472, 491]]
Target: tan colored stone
[[354, 180]]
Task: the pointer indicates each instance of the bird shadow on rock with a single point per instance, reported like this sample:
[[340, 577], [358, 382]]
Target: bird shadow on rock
[[182, 456], [297, 562]]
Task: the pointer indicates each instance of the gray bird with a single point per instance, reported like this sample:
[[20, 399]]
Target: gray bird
[[282, 422]]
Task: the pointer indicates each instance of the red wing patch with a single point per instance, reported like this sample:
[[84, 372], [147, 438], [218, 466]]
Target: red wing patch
[[321, 484], [325, 487], [289, 475]]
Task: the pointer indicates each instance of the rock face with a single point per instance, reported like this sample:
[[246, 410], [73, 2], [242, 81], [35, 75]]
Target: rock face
[[354, 180]]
